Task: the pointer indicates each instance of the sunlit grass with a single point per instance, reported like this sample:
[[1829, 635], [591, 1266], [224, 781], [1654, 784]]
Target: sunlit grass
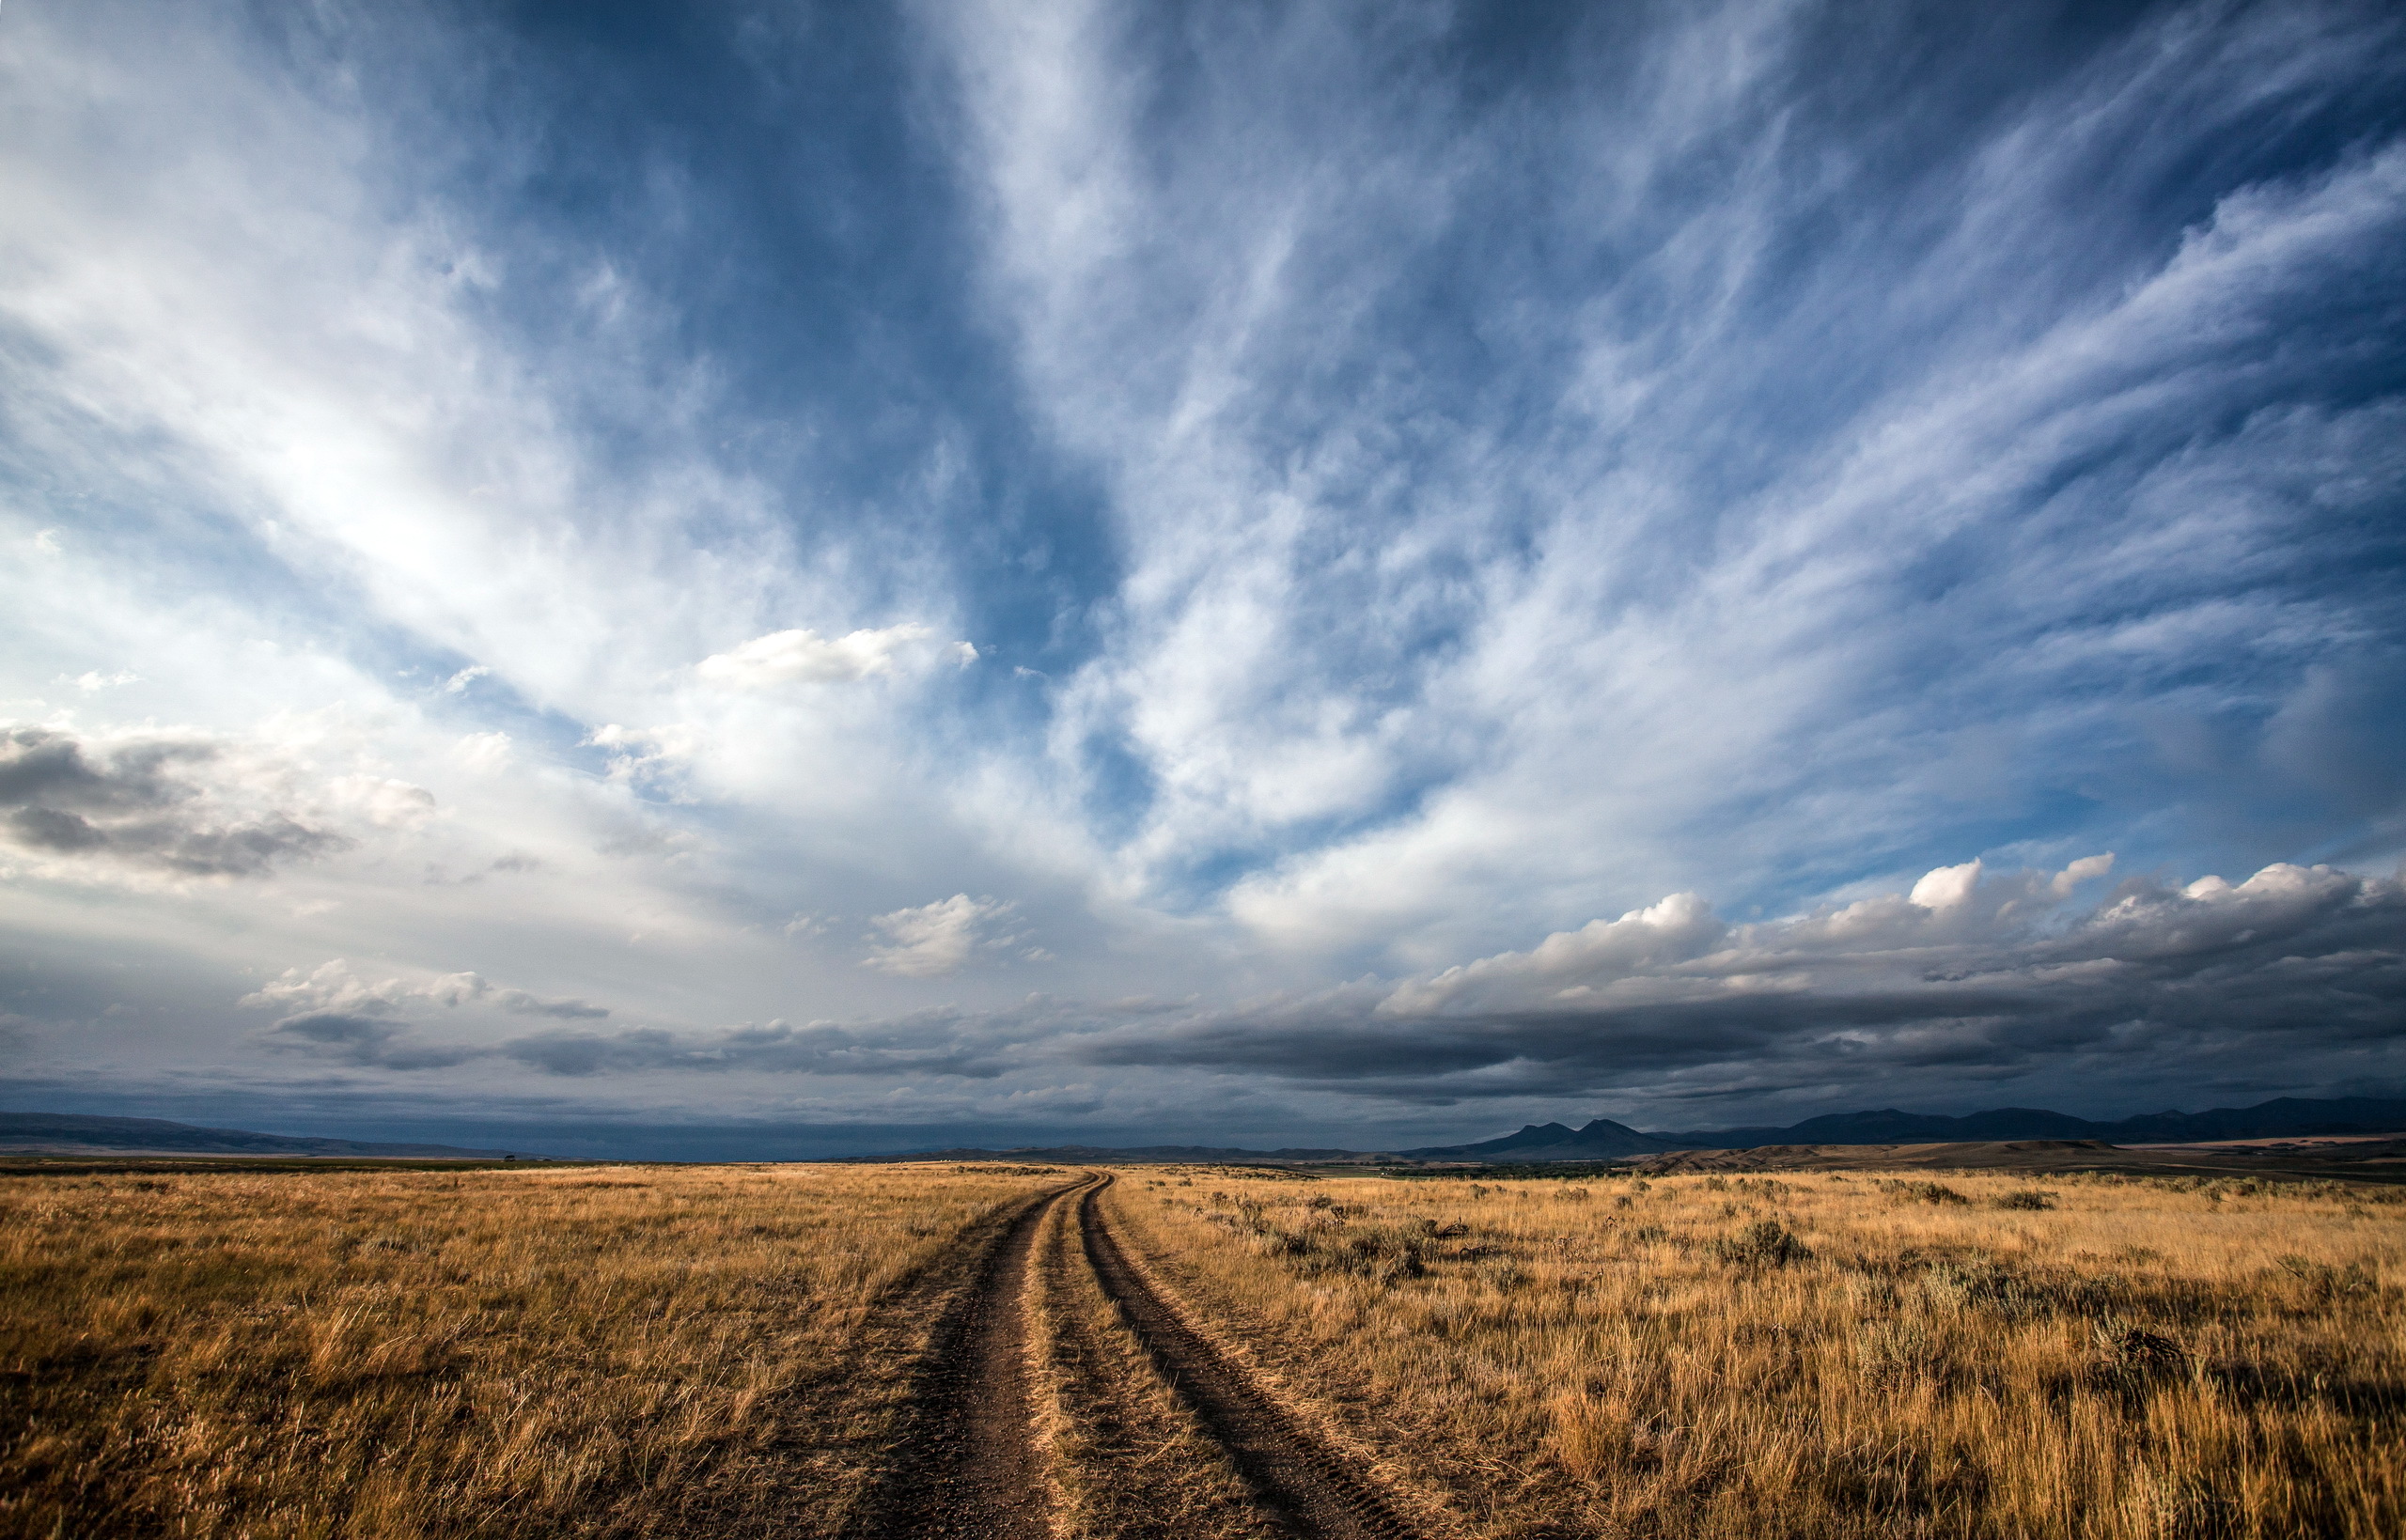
[[1830, 1356], [410, 1353]]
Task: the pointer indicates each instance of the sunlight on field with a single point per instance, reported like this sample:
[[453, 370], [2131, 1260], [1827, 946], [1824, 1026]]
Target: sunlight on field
[[407, 1353], [1827, 1355]]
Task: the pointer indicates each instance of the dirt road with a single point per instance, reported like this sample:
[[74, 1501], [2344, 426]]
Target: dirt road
[[969, 1467], [1304, 1484]]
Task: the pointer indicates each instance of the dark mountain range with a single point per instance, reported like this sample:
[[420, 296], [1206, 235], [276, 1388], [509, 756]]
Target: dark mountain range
[[2285, 1117], [1602, 1140], [70, 1134]]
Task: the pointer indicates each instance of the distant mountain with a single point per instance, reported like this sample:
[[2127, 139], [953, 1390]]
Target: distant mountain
[[1604, 1140], [2284, 1117], [1601, 1140], [66, 1133]]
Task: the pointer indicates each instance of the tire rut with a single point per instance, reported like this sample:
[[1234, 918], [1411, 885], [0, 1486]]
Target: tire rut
[[967, 1469], [1304, 1484]]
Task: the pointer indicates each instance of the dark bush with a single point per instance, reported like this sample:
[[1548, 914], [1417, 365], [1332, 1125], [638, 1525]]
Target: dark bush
[[1765, 1243]]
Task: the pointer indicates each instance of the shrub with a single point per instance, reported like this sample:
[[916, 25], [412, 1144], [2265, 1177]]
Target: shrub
[[2029, 1197], [1765, 1243], [1937, 1192]]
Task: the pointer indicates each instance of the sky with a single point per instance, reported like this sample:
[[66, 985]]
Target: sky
[[822, 578]]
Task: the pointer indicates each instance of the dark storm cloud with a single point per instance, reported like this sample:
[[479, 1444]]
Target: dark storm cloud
[[368, 1025], [819, 1048], [140, 802], [2294, 962], [352, 1037]]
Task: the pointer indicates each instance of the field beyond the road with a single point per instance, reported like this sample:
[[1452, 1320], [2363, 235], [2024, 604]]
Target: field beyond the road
[[212, 1351], [1839, 1354]]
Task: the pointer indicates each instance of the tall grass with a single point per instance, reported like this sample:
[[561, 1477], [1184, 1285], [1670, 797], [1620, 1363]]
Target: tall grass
[[419, 1354], [1830, 1356]]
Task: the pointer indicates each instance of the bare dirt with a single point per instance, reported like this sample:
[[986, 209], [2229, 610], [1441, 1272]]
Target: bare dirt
[[1303, 1486], [968, 1466]]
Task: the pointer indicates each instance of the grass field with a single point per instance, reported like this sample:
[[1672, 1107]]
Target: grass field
[[1831, 1355], [421, 1353], [728, 1351]]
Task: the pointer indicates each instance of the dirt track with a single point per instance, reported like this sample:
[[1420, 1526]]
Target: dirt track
[[1307, 1488], [969, 1468]]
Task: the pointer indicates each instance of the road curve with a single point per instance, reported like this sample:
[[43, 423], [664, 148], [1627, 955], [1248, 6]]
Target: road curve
[[968, 1469], [1297, 1479]]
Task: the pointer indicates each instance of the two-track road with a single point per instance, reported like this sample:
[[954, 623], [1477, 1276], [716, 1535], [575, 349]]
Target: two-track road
[[969, 1468]]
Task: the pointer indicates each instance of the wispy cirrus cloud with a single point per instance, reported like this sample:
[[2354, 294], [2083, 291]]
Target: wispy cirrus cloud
[[1419, 480]]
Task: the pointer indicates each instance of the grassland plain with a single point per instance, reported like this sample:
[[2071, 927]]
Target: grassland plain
[[1821, 1356], [380, 1354]]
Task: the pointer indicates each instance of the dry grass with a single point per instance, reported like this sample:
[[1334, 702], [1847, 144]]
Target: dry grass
[[1829, 1356], [414, 1353]]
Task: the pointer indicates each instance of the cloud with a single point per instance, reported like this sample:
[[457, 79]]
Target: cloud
[[352, 1021], [776, 1048], [363, 1040], [95, 681], [939, 938], [487, 754], [649, 756], [1672, 1001], [332, 987], [181, 806], [1421, 479], [803, 657]]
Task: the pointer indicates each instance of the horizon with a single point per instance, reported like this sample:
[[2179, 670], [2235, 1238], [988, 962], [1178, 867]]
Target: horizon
[[1067, 571], [740, 1142]]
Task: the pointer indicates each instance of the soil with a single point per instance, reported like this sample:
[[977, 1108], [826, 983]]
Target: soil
[[968, 1469], [1303, 1486]]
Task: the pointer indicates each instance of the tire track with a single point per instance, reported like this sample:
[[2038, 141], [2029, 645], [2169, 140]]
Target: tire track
[[1304, 1485], [967, 1468]]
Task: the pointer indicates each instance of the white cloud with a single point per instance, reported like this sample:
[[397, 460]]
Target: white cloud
[[487, 754], [46, 541], [332, 986], [804, 657], [95, 681], [458, 683], [382, 800], [649, 755], [937, 938], [1948, 887]]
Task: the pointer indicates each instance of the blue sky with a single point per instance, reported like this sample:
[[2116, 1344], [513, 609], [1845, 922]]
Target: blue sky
[[1331, 573]]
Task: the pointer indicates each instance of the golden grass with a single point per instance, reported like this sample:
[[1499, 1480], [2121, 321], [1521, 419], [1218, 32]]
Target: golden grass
[[425, 1353], [1827, 1356]]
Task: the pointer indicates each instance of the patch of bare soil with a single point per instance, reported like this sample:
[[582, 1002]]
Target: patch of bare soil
[[1303, 1486], [967, 1468]]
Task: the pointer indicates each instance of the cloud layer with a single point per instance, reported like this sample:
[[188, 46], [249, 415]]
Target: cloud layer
[[1285, 516]]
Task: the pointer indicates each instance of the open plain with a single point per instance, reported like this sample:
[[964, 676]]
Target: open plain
[[1023, 1351]]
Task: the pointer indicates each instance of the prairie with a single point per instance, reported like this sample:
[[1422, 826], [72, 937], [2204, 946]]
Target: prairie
[[1839, 1354], [216, 1352], [745, 1351]]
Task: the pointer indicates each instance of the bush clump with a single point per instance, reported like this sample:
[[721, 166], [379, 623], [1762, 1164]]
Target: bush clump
[[1765, 1243]]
